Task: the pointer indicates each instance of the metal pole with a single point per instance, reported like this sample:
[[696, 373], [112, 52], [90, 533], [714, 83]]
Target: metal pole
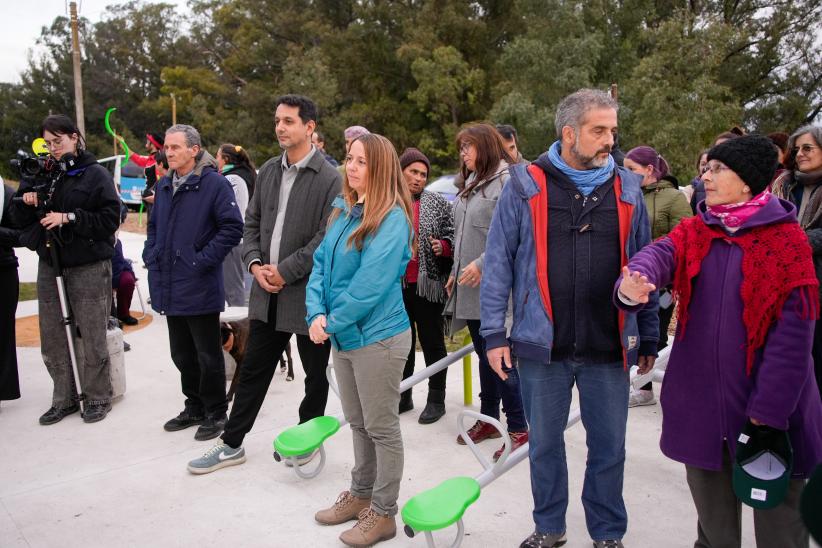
[[467, 390], [78, 78]]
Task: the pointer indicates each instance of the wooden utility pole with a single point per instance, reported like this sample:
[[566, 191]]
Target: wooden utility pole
[[78, 77], [173, 110]]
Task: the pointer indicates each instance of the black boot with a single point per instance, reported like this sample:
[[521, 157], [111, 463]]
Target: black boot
[[406, 403], [434, 408]]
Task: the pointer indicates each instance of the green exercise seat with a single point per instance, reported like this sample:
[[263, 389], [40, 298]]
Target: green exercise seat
[[441, 506], [306, 437]]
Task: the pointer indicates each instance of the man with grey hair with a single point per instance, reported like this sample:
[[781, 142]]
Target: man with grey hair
[[569, 332], [194, 225]]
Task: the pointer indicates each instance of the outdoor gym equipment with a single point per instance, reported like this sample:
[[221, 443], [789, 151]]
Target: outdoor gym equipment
[[309, 437], [445, 504]]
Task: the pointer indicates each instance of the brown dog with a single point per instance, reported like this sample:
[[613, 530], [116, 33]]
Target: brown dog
[[234, 336]]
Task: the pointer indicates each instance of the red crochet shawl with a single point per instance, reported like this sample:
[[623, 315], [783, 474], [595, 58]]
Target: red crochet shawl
[[775, 259]]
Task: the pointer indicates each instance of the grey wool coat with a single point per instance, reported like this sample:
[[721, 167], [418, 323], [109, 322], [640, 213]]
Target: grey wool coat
[[309, 205], [472, 219]]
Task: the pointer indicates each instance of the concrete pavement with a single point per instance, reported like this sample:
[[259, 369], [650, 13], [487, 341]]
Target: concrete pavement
[[123, 481]]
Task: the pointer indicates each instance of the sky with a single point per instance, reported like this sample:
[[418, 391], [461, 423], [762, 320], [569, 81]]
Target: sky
[[22, 23]]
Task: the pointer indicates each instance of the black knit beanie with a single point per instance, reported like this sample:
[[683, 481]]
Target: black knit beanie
[[411, 155], [752, 157]]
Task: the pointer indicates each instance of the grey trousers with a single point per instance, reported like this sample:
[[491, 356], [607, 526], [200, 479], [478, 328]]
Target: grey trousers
[[89, 294], [719, 513], [369, 381], [234, 277]]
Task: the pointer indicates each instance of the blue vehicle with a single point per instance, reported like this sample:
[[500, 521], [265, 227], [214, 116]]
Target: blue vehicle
[[128, 177]]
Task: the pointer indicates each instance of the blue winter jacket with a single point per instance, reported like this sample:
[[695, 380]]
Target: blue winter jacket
[[360, 292], [516, 262], [189, 234]]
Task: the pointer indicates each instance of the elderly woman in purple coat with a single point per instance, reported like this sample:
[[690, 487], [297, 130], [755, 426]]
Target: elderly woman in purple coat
[[743, 274]]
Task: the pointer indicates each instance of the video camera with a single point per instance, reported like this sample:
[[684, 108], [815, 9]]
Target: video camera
[[41, 174]]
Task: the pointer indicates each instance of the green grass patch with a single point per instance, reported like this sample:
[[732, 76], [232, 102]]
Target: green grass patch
[[28, 291], [455, 342]]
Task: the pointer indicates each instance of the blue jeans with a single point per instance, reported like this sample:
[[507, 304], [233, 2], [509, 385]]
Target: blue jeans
[[493, 389], [603, 398]]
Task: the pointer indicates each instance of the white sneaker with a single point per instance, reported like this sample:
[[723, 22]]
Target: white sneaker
[[641, 397], [219, 456]]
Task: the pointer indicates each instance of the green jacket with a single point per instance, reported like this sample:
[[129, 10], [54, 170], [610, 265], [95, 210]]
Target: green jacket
[[666, 207]]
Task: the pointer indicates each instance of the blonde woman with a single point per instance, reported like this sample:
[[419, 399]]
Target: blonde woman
[[354, 298]]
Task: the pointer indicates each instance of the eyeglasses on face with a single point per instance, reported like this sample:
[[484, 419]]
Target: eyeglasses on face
[[465, 147], [804, 149], [715, 169]]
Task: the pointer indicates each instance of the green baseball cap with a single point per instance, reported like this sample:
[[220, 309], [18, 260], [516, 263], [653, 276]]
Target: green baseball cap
[[763, 465]]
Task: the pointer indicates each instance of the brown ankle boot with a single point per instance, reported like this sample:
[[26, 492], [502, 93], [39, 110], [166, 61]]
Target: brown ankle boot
[[346, 508], [370, 529]]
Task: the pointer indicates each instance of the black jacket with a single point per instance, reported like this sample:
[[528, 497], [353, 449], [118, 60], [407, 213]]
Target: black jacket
[[9, 235], [584, 254], [88, 192]]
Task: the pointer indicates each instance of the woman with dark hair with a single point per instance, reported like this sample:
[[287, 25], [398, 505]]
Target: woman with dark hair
[[748, 298], [354, 298], [9, 288], [235, 164], [484, 162], [780, 141], [800, 184], [80, 215], [695, 192], [666, 207]]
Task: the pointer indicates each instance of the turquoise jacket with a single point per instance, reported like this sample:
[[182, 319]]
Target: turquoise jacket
[[360, 292]]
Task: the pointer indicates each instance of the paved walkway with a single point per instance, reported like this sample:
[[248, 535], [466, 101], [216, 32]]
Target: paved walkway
[[123, 482]]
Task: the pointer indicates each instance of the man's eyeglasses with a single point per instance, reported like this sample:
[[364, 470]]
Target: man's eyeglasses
[[805, 149]]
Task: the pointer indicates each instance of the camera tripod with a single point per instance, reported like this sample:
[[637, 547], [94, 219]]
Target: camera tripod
[[65, 310]]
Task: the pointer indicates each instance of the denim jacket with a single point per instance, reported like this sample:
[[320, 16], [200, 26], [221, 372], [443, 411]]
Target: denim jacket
[[360, 292]]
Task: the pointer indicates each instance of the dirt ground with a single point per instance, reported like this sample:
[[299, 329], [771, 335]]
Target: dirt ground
[[27, 329], [135, 223]]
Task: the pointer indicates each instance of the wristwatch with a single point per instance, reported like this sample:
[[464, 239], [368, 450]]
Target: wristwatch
[[72, 218]]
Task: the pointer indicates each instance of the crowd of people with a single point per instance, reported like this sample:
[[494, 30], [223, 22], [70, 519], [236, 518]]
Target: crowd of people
[[566, 271]]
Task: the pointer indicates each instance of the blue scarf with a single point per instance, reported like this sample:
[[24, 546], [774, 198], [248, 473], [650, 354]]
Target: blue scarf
[[586, 181]]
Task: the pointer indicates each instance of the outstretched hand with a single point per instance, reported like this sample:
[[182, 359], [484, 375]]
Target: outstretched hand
[[635, 286]]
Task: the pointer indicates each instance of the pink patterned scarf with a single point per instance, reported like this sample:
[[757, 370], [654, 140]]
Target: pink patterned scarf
[[733, 215]]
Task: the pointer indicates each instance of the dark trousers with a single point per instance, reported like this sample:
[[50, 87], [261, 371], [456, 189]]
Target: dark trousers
[[197, 352], [719, 512], [426, 321], [9, 289], [493, 388], [265, 346], [817, 354], [124, 292]]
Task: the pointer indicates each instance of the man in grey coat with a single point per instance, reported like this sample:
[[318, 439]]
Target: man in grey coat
[[285, 222]]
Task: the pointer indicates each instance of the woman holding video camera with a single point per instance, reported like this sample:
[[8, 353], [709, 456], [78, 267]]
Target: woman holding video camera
[[73, 203]]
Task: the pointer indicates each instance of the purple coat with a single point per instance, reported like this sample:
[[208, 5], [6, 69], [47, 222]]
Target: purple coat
[[707, 395]]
